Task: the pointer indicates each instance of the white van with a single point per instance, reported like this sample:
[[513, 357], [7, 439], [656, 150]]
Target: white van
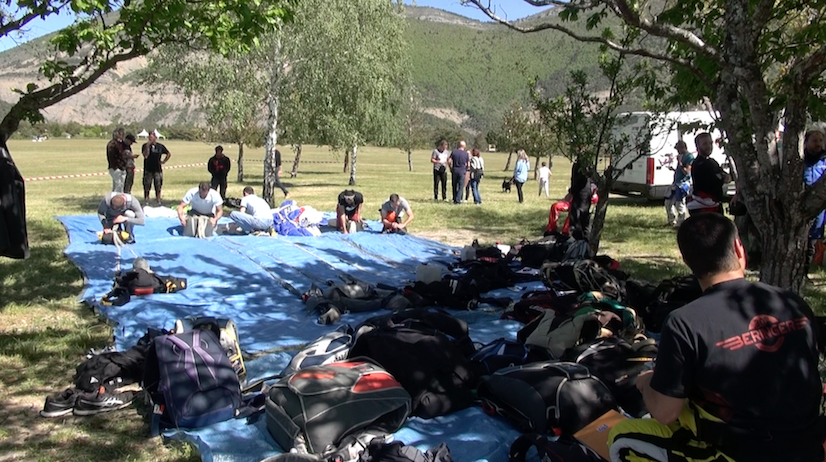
[[648, 171]]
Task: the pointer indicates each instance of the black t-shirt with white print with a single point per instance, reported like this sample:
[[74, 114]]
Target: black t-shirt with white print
[[746, 353]]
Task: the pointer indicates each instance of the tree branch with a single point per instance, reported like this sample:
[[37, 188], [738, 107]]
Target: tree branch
[[600, 40], [762, 14], [663, 30], [17, 24], [806, 70], [41, 99]]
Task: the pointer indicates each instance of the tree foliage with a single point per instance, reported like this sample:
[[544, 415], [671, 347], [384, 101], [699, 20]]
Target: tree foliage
[[106, 33], [757, 63]]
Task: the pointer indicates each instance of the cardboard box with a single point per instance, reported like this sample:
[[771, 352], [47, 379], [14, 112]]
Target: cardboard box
[[595, 434]]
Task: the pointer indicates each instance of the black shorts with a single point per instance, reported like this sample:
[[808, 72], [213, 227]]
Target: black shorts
[[150, 178]]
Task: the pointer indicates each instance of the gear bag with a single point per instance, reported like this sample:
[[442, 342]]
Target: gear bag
[[617, 364], [670, 295], [582, 276], [502, 353], [564, 449], [190, 380], [542, 396], [226, 331], [328, 348], [429, 365], [315, 409]]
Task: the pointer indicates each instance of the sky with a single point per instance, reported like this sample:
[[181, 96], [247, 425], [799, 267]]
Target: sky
[[509, 9]]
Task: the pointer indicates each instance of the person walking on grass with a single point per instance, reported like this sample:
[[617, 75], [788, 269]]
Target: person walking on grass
[[115, 159], [675, 208], [219, 166], [544, 179], [477, 171], [439, 160], [277, 158], [152, 167], [458, 162], [520, 172]]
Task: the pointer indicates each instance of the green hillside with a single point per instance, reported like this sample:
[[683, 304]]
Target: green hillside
[[480, 71], [470, 70]]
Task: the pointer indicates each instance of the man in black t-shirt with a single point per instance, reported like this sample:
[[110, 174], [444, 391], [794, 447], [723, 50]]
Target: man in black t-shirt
[[152, 170], [736, 374], [219, 166], [708, 179], [348, 211]]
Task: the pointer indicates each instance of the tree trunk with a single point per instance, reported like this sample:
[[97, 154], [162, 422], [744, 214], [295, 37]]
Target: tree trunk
[[297, 148], [270, 169], [353, 167], [604, 183], [240, 163], [536, 167], [508, 163], [346, 161], [409, 159]]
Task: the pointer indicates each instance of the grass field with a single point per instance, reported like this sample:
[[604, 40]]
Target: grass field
[[44, 331]]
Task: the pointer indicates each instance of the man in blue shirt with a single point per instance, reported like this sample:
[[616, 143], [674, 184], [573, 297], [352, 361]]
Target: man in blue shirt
[[458, 162]]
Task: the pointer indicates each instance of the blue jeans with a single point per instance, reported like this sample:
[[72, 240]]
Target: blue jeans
[[249, 223], [474, 188]]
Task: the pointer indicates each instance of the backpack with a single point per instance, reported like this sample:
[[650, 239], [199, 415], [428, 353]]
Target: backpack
[[190, 380], [542, 396], [617, 364], [578, 250], [534, 254], [533, 305], [583, 276], [436, 319], [317, 409], [502, 353], [564, 449], [670, 295], [428, 364], [557, 332], [380, 451], [227, 333], [329, 348]]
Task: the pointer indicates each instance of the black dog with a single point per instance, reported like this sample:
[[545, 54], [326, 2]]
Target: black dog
[[506, 185]]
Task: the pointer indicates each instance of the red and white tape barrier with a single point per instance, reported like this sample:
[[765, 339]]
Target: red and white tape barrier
[[83, 175]]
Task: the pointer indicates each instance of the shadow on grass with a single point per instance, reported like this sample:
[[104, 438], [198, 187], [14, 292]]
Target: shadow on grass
[[46, 275], [83, 204]]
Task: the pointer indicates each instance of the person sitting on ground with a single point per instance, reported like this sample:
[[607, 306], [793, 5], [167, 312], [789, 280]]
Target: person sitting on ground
[[392, 212], [219, 166], [206, 208], [254, 215], [120, 210], [736, 375], [565, 206], [348, 211]]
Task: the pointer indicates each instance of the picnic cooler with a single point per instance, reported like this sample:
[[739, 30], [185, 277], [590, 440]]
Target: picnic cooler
[[314, 409]]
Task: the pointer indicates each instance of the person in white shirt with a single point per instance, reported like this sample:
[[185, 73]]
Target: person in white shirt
[[206, 207], [439, 161], [544, 179], [254, 215]]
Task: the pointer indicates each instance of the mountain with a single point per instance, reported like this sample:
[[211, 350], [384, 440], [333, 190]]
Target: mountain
[[468, 73]]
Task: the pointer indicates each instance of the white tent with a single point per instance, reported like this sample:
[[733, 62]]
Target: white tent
[[158, 134], [143, 134]]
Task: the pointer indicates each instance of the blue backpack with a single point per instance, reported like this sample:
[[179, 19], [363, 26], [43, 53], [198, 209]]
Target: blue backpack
[[190, 381]]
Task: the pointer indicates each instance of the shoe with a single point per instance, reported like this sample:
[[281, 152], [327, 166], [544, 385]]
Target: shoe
[[159, 203], [102, 401], [60, 404]]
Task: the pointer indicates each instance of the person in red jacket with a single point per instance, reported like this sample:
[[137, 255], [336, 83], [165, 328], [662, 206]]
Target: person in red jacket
[[564, 206], [219, 166]]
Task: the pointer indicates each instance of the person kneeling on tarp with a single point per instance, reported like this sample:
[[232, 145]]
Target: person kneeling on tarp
[[119, 211], [348, 211], [254, 214], [736, 374], [206, 208], [392, 212]]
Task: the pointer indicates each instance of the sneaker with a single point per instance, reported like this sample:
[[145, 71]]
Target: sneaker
[[60, 404], [102, 401]]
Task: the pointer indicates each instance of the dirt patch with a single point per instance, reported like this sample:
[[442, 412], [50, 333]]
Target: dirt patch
[[457, 237]]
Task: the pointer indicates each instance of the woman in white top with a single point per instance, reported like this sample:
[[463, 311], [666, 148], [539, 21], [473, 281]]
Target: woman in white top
[[477, 171]]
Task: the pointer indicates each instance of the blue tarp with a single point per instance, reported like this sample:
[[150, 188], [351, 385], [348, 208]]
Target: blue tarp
[[257, 282]]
